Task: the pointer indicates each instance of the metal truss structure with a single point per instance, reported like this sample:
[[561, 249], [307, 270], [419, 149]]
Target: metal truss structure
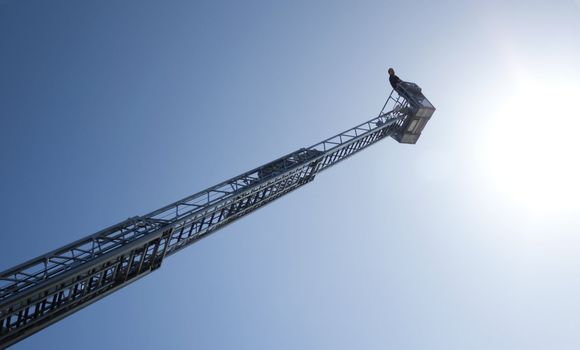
[[42, 291]]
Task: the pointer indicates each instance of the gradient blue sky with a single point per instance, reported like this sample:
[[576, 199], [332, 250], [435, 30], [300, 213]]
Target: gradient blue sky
[[467, 240]]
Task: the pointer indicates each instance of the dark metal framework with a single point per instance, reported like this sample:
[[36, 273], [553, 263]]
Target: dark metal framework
[[42, 291]]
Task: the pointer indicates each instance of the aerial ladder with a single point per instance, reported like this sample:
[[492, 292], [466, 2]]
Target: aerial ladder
[[44, 290]]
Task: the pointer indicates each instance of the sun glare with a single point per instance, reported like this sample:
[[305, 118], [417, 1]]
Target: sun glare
[[532, 149]]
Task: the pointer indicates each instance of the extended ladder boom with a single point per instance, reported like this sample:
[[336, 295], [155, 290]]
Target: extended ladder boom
[[46, 289]]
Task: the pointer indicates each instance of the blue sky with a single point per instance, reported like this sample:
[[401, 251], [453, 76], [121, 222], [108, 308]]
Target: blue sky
[[467, 240]]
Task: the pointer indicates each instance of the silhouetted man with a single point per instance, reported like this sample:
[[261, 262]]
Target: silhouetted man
[[403, 88], [393, 79]]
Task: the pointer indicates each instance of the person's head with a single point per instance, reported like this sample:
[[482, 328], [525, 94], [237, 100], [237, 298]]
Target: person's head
[[391, 71]]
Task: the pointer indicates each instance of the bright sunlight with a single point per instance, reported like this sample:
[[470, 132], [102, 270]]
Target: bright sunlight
[[532, 149]]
